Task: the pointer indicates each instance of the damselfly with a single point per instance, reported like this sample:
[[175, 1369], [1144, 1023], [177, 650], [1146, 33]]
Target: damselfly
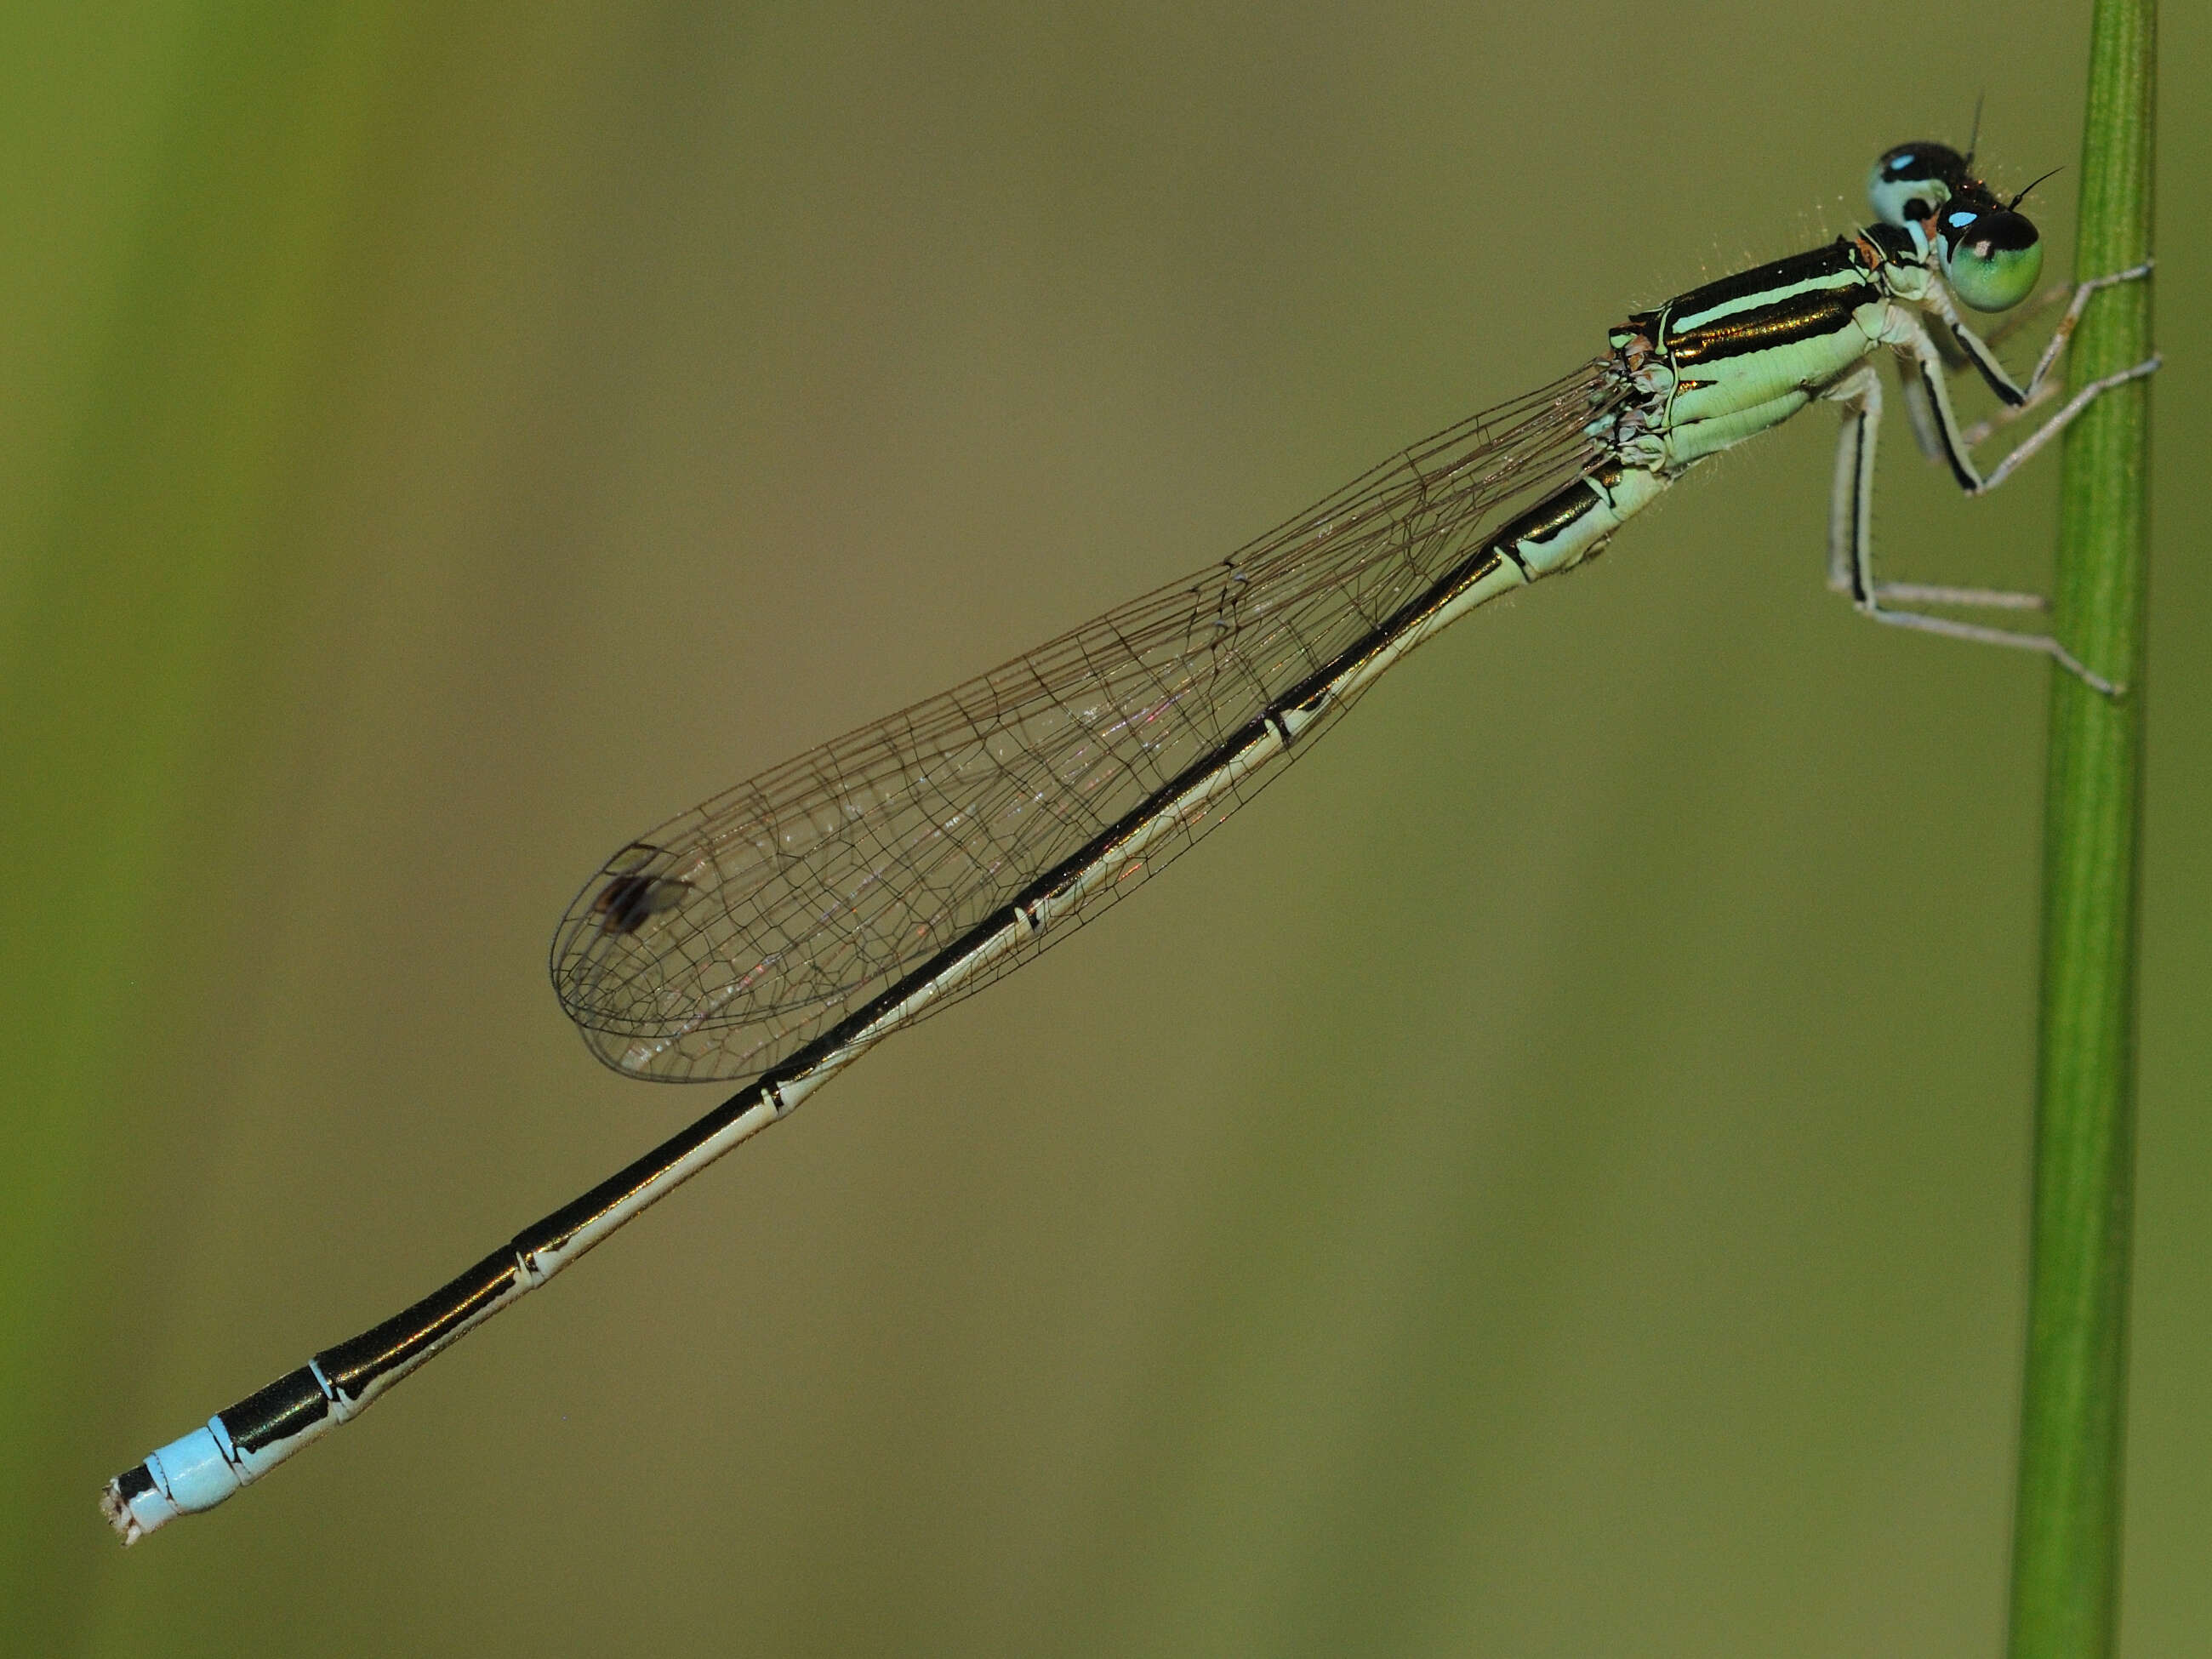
[[774, 935]]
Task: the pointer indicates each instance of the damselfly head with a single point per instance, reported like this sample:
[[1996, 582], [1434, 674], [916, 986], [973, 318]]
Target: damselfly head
[[1913, 181], [1991, 256]]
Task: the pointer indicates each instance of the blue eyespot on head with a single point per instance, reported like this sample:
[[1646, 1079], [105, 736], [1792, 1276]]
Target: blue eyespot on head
[[1912, 181]]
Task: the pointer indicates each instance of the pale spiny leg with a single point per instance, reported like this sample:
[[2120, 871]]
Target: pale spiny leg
[[2064, 331], [1924, 435], [1850, 551], [2051, 428], [1850, 515], [1938, 301], [2041, 390], [1850, 499]]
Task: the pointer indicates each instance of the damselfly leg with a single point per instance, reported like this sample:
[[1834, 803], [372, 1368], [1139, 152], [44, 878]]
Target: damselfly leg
[[1991, 256]]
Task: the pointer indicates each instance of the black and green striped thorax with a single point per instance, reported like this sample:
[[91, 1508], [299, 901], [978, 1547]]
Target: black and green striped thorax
[[1722, 362]]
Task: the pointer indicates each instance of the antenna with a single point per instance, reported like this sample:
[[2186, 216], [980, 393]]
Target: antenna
[[2022, 197]]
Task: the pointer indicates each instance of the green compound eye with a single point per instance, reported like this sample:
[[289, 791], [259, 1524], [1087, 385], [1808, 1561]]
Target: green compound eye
[[1991, 258], [1912, 180]]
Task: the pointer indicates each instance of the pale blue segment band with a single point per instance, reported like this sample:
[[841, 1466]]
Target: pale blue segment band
[[190, 1474]]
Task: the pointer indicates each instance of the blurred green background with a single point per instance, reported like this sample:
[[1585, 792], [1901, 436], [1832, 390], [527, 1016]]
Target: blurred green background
[[1549, 1181]]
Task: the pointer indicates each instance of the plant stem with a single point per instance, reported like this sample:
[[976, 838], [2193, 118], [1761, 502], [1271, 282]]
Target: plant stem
[[2066, 1524]]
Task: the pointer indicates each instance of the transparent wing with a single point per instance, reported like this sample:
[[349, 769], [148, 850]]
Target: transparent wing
[[732, 936]]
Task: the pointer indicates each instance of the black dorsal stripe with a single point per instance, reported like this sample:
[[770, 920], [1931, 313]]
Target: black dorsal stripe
[[1838, 256], [1810, 315]]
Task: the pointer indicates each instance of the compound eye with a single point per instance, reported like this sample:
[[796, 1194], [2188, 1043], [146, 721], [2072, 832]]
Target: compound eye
[[1912, 180], [1991, 259]]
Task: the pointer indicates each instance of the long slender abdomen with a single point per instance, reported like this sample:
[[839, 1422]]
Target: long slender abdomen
[[1574, 521]]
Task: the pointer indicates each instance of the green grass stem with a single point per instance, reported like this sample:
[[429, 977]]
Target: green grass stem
[[2066, 1529]]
